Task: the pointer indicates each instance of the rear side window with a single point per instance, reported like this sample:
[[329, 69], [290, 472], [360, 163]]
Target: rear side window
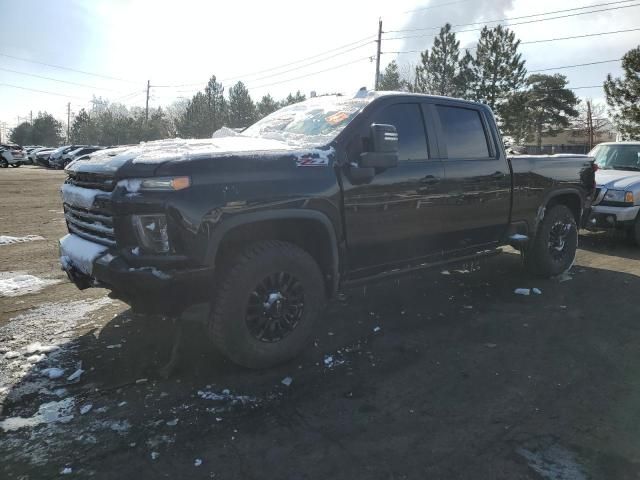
[[463, 132], [407, 118]]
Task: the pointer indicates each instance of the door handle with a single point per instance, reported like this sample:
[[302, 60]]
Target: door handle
[[430, 180], [498, 175]]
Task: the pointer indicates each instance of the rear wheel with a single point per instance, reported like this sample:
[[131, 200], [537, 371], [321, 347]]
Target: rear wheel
[[3, 163], [554, 248], [634, 232], [266, 304]]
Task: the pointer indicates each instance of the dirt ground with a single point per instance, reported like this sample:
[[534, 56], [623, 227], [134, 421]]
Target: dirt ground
[[446, 375]]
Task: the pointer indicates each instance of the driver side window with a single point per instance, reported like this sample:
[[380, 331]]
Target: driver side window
[[407, 118]]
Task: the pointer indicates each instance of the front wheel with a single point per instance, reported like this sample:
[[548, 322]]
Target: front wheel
[[266, 304], [3, 163], [554, 248]]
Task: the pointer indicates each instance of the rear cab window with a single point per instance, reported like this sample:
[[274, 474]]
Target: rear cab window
[[464, 133]]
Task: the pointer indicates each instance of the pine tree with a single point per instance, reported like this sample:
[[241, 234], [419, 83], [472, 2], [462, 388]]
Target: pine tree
[[205, 113], [242, 111], [266, 106], [466, 78], [623, 96], [21, 135], [514, 118], [550, 105], [390, 78], [291, 99], [46, 130], [498, 68], [84, 130], [438, 70]]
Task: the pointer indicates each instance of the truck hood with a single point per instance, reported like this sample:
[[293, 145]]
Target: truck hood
[[146, 158], [618, 179]]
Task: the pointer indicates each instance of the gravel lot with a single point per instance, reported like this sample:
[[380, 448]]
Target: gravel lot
[[446, 375]]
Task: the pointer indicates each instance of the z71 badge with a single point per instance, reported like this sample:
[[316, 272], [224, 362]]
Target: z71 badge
[[312, 160]]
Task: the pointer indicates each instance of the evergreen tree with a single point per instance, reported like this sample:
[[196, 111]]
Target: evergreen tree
[[46, 130], [266, 106], [390, 78], [498, 68], [291, 99], [21, 135], [438, 70], [242, 111], [466, 78], [623, 96], [549, 105], [205, 113], [84, 130], [514, 118]]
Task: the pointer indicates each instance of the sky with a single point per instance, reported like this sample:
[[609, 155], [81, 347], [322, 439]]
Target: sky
[[273, 47]]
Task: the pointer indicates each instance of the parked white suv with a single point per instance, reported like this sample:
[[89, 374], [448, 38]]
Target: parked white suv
[[617, 199], [12, 155]]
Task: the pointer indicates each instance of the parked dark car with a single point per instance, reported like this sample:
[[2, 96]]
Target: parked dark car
[[42, 157], [66, 158], [60, 151], [270, 223]]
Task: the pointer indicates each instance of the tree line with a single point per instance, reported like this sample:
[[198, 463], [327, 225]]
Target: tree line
[[527, 107]]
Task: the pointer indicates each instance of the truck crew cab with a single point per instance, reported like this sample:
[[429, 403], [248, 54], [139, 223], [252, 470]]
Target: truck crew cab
[[269, 223]]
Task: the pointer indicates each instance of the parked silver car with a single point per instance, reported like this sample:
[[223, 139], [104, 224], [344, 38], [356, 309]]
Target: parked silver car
[[617, 199]]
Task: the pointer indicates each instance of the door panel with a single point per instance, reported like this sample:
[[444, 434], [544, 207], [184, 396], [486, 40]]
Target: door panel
[[394, 219], [477, 180]]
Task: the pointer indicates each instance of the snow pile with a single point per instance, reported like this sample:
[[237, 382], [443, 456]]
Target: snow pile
[[13, 284], [79, 252], [8, 240], [51, 412]]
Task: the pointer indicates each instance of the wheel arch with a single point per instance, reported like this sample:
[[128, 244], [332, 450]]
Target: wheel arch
[[311, 230]]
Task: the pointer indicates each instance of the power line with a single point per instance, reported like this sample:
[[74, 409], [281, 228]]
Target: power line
[[57, 80], [310, 74], [536, 41], [357, 47], [573, 66], [66, 68], [516, 23], [43, 91], [514, 18]]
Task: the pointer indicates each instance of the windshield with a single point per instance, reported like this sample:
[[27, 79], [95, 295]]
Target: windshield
[[314, 122], [617, 157]]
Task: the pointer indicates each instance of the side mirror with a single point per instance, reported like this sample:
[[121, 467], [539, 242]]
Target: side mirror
[[385, 147]]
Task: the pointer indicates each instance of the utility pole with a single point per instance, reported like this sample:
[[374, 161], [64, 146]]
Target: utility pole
[[68, 119], [146, 110], [378, 54], [589, 126], [31, 117]]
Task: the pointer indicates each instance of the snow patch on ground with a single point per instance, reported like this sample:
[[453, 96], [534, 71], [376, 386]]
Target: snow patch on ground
[[13, 284], [8, 240], [50, 412]]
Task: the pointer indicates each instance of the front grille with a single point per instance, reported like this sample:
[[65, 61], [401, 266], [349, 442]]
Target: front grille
[[93, 225], [92, 180]]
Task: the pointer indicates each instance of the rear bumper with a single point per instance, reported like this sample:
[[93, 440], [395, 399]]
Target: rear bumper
[[146, 288], [612, 217]]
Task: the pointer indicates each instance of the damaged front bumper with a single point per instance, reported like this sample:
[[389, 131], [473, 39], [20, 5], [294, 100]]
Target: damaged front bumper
[[167, 286]]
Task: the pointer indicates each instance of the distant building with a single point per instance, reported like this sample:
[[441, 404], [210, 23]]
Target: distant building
[[574, 140]]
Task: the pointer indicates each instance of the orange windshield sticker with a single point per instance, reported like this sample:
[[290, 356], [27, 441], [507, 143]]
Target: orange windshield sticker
[[337, 118]]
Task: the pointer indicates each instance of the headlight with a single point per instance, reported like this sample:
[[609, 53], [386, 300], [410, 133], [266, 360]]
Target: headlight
[[134, 185], [151, 231], [618, 196]]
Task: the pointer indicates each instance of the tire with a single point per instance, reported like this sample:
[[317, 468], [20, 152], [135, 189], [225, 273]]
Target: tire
[[274, 273], [3, 163], [15, 165], [554, 248]]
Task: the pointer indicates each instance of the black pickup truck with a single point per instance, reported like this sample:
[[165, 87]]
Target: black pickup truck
[[269, 223]]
